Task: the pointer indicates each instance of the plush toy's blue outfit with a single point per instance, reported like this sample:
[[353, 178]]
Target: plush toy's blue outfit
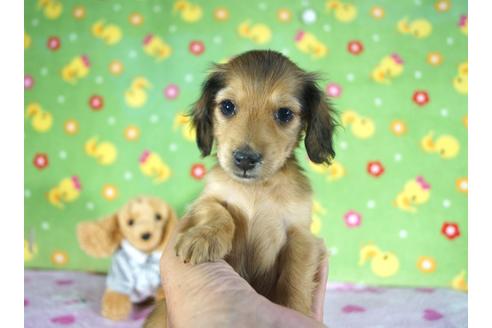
[[134, 272]]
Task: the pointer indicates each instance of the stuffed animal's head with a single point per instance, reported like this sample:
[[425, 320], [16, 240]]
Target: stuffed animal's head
[[145, 222]]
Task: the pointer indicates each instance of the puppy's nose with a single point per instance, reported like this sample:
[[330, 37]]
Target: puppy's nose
[[246, 158], [146, 236]]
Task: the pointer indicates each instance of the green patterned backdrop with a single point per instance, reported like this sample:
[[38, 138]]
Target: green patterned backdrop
[[107, 84]]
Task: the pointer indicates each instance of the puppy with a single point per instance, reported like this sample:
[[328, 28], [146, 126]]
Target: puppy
[[255, 210]]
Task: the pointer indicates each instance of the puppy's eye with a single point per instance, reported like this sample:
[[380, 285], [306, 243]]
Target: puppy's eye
[[284, 115], [158, 217], [130, 222], [227, 108]]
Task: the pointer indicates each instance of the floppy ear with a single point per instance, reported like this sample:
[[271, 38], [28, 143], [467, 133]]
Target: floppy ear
[[99, 238], [320, 122], [172, 221], [202, 111]]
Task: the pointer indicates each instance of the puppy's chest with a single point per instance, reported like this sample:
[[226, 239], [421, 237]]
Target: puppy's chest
[[268, 219]]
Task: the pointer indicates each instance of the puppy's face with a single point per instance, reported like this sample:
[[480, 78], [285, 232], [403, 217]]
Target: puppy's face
[[256, 108], [142, 222]]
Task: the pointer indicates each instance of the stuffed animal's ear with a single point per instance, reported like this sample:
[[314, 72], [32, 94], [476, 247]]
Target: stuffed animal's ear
[[171, 220], [320, 122], [202, 111], [99, 238]]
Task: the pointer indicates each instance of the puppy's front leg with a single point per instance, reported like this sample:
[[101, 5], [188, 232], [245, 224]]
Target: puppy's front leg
[[207, 234], [299, 263]]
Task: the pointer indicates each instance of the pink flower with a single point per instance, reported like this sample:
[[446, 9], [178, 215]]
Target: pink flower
[[196, 47], [421, 97], [40, 161], [375, 168], [198, 171], [352, 219], [28, 82], [355, 47], [333, 90], [171, 91], [96, 102], [53, 43]]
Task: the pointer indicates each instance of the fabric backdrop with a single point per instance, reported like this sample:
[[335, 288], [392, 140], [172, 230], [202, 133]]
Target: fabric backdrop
[[107, 84]]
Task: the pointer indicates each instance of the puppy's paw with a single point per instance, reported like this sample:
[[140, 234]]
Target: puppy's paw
[[203, 244], [116, 306]]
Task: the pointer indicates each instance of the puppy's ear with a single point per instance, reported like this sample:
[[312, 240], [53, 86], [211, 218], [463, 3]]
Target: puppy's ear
[[320, 122], [100, 238], [202, 111]]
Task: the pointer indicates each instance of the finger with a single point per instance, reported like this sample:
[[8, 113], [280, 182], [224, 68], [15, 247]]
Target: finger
[[319, 294]]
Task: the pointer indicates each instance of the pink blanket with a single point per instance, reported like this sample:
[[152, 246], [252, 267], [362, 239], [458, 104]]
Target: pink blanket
[[62, 298]]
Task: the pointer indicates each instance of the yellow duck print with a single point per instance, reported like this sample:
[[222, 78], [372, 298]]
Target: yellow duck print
[[414, 193], [153, 166], [67, 191], [155, 47], [446, 146], [361, 127], [258, 33], [27, 40], [459, 282], [189, 12], [388, 68], [419, 28], [460, 82], [77, 69], [463, 24], [109, 33], [383, 264], [136, 95], [309, 44], [104, 152], [30, 250], [344, 12], [317, 211], [334, 171], [52, 9], [41, 120], [183, 122]]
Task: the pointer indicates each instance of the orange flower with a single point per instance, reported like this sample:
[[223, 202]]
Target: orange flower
[[426, 264], [132, 133], [78, 12], [109, 192], [462, 184], [116, 67], [398, 127], [377, 12], [136, 19], [59, 257], [434, 58], [221, 14], [442, 5], [284, 15], [465, 121], [71, 127]]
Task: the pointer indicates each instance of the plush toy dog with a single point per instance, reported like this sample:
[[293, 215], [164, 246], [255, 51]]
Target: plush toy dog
[[135, 236]]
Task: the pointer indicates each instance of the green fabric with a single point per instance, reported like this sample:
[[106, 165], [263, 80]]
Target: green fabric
[[360, 215]]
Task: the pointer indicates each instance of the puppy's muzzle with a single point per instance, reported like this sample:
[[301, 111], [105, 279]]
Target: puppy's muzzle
[[246, 158]]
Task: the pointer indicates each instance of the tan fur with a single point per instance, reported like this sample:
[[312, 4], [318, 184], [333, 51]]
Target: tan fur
[[260, 225], [102, 238]]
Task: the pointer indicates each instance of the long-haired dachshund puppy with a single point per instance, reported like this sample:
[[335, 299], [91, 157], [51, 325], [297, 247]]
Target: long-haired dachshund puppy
[[255, 211]]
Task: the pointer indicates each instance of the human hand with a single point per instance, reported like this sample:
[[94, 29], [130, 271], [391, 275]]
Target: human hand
[[214, 295]]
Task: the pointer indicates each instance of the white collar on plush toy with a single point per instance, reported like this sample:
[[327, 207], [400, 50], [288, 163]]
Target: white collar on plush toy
[[137, 255]]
